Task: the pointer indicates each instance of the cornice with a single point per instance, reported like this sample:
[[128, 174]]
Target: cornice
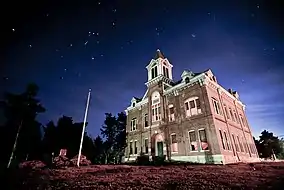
[[158, 79]]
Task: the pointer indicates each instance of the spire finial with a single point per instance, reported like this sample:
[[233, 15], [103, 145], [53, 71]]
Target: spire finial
[[159, 54]]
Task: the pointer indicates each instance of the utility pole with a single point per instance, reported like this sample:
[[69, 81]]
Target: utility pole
[[15, 144], [84, 126]]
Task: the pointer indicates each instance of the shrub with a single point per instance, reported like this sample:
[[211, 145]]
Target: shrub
[[143, 160]]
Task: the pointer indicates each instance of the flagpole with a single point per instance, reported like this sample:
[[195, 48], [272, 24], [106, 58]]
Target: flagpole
[[84, 126]]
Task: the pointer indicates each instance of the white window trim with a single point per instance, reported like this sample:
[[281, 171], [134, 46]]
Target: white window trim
[[200, 140], [148, 120], [134, 148], [131, 124], [171, 144], [145, 146], [187, 101], [224, 131], [190, 140], [131, 141], [213, 99]]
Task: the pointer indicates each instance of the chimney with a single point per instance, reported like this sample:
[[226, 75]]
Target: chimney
[[230, 91], [236, 95]]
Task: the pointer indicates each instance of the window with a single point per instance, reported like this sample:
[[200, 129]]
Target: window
[[156, 109], [216, 106], [192, 141], [203, 139], [135, 147], [226, 111], [186, 80], [231, 114], [227, 141], [242, 121], [133, 104], [146, 122], [146, 145], [244, 145], [236, 118], [192, 107], [236, 145], [166, 71], [240, 144], [133, 124], [130, 148], [174, 144], [222, 140], [171, 113], [154, 71]]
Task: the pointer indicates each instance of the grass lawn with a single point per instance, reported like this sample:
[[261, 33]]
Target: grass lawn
[[237, 176]]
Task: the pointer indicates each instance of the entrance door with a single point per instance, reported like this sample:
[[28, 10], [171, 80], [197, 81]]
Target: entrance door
[[160, 148]]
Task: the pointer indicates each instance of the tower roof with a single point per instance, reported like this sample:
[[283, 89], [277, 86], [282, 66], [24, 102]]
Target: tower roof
[[159, 55]]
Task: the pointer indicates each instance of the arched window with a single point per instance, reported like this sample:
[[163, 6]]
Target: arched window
[[156, 106], [186, 80], [192, 106]]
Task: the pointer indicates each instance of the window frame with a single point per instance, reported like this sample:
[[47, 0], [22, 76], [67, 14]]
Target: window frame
[[196, 140], [200, 142]]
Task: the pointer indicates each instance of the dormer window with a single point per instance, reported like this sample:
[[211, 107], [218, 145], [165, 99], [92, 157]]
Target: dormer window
[[186, 80], [154, 71], [133, 104]]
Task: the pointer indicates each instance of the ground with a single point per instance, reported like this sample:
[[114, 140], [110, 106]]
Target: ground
[[238, 176]]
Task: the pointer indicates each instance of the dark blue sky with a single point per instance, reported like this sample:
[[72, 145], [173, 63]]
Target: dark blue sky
[[67, 48]]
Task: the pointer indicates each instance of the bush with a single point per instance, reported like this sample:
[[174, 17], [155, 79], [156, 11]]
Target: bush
[[143, 160], [159, 160]]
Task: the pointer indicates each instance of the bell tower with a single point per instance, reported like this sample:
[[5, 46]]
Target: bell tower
[[159, 69]]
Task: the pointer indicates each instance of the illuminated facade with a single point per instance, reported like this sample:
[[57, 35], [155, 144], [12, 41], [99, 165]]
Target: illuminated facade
[[193, 119]]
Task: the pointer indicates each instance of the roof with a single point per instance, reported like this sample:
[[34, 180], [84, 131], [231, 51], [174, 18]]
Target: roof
[[137, 99]]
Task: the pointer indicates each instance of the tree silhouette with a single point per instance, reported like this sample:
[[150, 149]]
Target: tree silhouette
[[268, 144], [114, 130], [21, 127], [98, 150]]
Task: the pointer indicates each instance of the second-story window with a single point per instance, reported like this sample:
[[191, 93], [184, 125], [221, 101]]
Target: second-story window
[[226, 111], [192, 106], [216, 106], [171, 113], [133, 124], [236, 117], [231, 114], [146, 120], [156, 107]]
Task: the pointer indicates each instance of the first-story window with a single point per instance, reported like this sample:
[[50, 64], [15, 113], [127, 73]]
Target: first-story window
[[240, 144], [130, 148], [174, 144], [192, 107], [192, 141], [135, 147], [203, 139], [222, 139], [146, 145], [235, 143], [227, 141]]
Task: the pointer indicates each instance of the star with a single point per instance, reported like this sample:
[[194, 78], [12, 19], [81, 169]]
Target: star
[[93, 58], [47, 15], [114, 10], [71, 45], [13, 30], [257, 6], [113, 24], [30, 46], [86, 43], [99, 3], [61, 78], [61, 56], [98, 42], [273, 49], [65, 69], [5, 78], [57, 50], [193, 35]]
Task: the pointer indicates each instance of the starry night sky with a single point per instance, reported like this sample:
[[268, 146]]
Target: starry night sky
[[67, 48]]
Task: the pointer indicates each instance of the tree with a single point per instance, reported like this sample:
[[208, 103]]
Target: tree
[[268, 144], [98, 150], [21, 127], [120, 138], [66, 135], [108, 131], [114, 130]]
